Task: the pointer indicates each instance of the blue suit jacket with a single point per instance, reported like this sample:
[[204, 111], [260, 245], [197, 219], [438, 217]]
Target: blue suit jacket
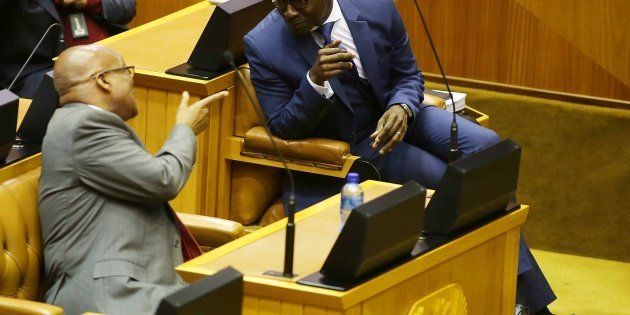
[[280, 60]]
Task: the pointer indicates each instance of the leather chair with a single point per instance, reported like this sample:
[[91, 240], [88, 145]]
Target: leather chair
[[256, 171], [21, 264]]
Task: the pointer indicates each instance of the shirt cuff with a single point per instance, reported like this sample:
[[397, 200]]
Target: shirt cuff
[[325, 91]]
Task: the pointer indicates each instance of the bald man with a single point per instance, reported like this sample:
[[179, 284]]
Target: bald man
[[111, 242]]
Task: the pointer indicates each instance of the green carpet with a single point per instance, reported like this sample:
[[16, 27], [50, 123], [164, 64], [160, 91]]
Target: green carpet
[[575, 170], [586, 286]]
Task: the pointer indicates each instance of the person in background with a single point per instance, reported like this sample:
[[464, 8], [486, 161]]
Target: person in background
[[23, 22]]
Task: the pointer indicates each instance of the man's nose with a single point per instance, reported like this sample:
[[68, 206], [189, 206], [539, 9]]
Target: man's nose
[[290, 12]]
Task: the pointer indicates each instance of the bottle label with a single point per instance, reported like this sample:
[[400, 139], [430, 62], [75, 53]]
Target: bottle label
[[351, 202]]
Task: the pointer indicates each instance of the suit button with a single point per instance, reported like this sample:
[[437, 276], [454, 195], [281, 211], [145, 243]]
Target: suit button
[[176, 243]]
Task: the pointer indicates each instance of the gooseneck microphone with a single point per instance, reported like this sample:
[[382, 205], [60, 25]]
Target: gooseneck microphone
[[289, 246], [33, 53], [453, 150]]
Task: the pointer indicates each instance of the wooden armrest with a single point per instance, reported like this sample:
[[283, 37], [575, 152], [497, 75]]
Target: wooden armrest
[[434, 101], [26, 307], [211, 232], [325, 153]]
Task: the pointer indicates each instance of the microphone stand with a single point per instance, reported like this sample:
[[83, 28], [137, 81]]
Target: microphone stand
[[453, 151], [289, 247], [32, 53]]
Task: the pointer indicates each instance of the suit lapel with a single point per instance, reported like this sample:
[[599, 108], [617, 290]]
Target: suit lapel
[[365, 45], [309, 48], [49, 6]]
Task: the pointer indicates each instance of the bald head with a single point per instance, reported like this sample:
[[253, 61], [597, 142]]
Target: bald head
[[110, 90], [75, 65]]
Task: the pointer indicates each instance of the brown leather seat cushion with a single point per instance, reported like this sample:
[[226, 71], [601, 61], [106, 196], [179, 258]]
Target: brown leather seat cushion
[[274, 213], [313, 151], [254, 188]]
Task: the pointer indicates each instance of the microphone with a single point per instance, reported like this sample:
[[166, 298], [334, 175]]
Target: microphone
[[33, 53], [289, 247], [453, 150]]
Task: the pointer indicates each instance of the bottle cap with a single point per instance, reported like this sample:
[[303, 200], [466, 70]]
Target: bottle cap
[[353, 178]]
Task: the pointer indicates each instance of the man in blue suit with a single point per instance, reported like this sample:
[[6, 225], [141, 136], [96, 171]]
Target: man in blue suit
[[344, 69]]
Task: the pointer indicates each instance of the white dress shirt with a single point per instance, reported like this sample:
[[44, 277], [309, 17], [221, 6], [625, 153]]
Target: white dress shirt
[[94, 107], [340, 31]]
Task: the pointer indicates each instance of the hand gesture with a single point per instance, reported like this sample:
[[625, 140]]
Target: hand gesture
[[390, 130], [331, 61], [196, 116]]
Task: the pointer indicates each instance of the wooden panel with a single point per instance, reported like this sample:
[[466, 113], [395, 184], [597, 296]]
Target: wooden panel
[[156, 120], [250, 305], [288, 308], [256, 305], [149, 10], [480, 284], [268, 306], [172, 104], [212, 147], [224, 174], [139, 123], [570, 46], [510, 266], [313, 310]]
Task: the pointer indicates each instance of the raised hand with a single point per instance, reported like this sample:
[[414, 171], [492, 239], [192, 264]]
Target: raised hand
[[331, 61], [196, 116]]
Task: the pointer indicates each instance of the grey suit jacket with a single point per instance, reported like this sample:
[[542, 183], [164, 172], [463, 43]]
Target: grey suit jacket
[[110, 242]]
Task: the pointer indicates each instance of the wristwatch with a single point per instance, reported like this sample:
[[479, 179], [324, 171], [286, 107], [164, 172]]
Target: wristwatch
[[408, 111]]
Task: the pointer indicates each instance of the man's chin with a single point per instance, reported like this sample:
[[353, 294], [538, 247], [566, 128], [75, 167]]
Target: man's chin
[[300, 30]]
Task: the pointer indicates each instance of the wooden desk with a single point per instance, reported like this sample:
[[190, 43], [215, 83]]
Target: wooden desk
[[483, 263], [24, 106]]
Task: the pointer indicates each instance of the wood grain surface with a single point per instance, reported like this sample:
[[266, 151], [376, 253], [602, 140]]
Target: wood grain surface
[[571, 46]]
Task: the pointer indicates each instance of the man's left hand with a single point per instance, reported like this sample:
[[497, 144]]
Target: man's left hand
[[390, 130]]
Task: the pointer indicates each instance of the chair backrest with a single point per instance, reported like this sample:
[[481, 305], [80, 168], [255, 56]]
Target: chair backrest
[[254, 187], [21, 263]]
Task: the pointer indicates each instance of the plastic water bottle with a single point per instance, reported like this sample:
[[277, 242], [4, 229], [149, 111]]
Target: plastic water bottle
[[351, 197]]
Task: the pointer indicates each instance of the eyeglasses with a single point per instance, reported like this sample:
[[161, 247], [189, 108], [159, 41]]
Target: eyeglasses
[[281, 5], [130, 69]]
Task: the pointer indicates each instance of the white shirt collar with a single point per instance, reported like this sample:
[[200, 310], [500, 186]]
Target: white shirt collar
[[335, 14], [96, 107]]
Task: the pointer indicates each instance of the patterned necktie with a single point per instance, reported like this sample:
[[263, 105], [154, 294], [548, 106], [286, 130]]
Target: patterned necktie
[[326, 32]]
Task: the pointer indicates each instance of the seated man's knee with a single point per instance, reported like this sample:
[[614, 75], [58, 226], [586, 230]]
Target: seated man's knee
[[485, 138], [490, 138]]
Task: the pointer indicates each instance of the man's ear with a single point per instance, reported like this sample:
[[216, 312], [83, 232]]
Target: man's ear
[[103, 83]]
